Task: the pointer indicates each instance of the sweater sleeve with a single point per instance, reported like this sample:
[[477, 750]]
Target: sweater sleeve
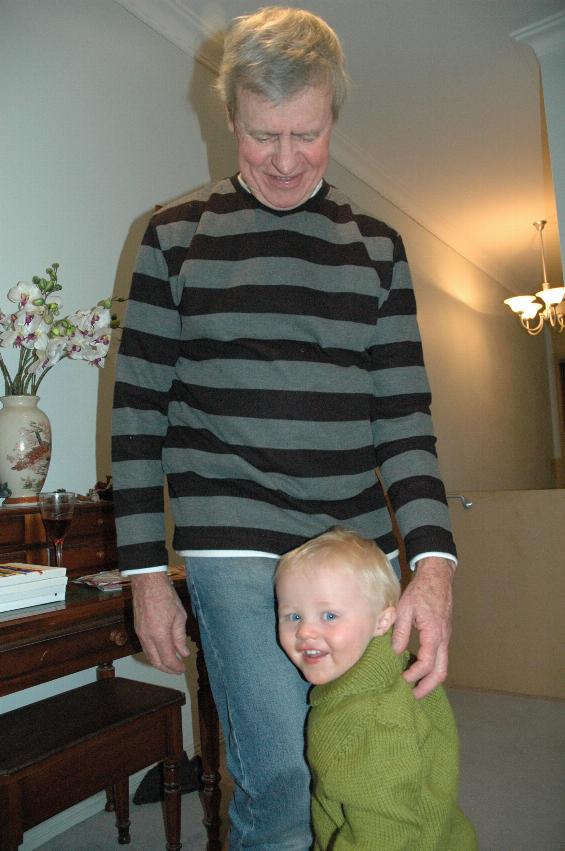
[[145, 368], [377, 790], [401, 419]]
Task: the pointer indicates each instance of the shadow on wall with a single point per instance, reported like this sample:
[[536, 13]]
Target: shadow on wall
[[222, 158]]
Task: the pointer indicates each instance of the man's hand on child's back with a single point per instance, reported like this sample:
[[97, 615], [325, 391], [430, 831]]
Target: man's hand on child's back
[[426, 604]]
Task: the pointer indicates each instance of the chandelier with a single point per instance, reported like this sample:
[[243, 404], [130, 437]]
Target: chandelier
[[547, 305]]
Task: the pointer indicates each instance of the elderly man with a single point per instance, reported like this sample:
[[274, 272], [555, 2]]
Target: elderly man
[[270, 362]]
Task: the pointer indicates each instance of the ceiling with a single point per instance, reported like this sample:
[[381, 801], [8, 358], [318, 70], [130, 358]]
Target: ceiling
[[444, 118]]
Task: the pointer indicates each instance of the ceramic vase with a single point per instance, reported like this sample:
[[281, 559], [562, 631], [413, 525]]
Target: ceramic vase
[[25, 448]]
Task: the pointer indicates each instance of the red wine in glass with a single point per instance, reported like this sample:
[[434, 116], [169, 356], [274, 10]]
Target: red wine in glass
[[57, 513]]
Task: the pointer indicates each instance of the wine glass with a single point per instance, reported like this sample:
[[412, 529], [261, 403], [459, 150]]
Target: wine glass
[[57, 513]]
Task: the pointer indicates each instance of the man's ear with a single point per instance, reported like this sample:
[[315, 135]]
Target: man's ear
[[385, 620]]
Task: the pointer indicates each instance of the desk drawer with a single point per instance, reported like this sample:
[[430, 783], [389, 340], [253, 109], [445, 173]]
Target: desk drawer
[[90, 558], [12, 529], [91, 522], [56, 656]]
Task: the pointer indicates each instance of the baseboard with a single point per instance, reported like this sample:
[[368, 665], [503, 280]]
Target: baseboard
[[63, 821]]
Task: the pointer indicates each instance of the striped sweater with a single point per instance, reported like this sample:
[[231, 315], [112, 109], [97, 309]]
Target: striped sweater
[[270, 362]]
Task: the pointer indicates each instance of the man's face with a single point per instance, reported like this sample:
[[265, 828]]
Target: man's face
[[325, 620], [283, 149]]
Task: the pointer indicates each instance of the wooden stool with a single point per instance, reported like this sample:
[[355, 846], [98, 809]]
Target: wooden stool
[[59, 751]]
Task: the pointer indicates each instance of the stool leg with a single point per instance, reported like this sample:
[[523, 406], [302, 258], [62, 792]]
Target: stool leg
[[172, 802], [121, 801], [106, 671], [11, 832]]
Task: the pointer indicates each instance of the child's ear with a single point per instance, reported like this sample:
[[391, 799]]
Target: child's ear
[[385, 620]]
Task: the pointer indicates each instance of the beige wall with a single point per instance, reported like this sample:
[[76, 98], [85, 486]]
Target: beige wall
[[488, 377], [508, 625]]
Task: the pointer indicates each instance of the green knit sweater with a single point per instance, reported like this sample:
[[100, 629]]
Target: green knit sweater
[[384, 765]]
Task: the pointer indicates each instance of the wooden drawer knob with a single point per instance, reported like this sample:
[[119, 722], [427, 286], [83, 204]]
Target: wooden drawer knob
[[99, 554], [118, 637]]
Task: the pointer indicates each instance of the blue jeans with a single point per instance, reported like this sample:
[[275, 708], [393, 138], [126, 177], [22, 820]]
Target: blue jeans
[[261, 700]]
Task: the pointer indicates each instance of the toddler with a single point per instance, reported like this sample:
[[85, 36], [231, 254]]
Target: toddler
[[384, 765]]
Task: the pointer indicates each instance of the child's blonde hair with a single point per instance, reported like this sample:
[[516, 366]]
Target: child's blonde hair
[[358, 556]]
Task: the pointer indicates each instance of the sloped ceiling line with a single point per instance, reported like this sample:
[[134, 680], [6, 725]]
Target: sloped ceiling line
[[193, 35]]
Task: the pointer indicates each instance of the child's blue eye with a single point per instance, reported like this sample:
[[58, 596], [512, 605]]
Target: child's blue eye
[[329, 616], [293, 617]]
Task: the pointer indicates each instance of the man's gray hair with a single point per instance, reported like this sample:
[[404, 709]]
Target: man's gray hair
[[278, 52]]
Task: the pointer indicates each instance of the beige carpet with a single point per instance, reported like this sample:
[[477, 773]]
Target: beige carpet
[[512, 783]]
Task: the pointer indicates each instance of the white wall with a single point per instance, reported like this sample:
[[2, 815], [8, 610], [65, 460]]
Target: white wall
[[96, 128]]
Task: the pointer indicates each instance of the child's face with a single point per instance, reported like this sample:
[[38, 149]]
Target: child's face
[[325, 620]]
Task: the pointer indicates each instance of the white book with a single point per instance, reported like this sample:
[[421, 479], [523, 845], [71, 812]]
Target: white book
[[17, 573], [55, 593], [30, 590]]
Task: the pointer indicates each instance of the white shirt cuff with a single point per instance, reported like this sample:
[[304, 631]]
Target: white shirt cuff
[[161, 568], [419, 557]]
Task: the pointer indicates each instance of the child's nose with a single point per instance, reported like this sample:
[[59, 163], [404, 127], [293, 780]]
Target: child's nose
[[306, 629]]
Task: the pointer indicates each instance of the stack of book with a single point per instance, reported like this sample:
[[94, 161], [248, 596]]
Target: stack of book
[[23, 585]]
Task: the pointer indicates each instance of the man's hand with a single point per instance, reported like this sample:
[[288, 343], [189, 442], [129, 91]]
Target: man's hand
[[426, 604], [159, 620]]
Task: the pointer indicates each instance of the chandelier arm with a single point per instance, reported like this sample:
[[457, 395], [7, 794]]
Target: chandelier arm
[[536, 329]]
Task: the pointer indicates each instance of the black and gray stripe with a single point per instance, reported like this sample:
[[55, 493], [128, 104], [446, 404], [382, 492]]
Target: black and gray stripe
[[270, 362]]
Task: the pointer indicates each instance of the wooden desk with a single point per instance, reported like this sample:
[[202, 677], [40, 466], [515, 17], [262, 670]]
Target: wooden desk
[[92, 629]]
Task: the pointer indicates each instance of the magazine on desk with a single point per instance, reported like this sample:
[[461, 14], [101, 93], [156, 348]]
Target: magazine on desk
[[112, 580], [23, 585]]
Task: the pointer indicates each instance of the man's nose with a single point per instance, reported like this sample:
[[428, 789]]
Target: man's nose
[[284, 156]]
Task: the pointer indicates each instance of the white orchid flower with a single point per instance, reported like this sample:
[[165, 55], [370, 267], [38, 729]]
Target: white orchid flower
[[24, 294], [43, 338]]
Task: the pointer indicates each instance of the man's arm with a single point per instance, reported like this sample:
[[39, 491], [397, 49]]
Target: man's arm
[[159, 620], [426, 604]]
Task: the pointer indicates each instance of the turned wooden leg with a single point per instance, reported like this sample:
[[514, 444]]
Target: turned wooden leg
[[210, 751], [172, 803], [105, 671], [121, 802], [171, 779]]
